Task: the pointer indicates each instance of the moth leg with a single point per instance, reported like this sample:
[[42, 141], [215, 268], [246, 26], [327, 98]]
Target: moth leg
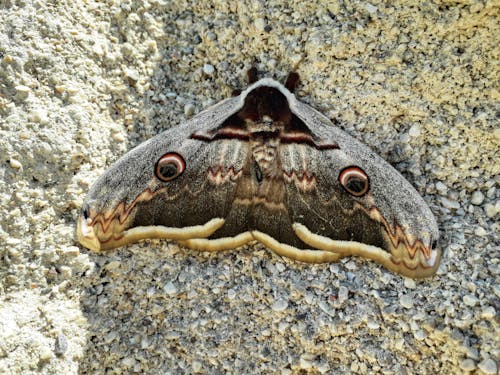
[[303, 255], [219, 244]]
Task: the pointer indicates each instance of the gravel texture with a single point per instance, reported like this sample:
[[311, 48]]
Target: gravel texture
[[81, 82]]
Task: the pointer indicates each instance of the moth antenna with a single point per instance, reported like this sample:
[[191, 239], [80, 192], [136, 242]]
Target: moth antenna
[[292, 81], [252, 75], [293, 78]]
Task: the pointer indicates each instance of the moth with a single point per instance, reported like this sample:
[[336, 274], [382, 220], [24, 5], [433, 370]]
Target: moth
[[263, 166]]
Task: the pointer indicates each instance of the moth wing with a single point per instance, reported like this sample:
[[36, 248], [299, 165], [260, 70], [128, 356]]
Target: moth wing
[[392, 216], [129, 194]]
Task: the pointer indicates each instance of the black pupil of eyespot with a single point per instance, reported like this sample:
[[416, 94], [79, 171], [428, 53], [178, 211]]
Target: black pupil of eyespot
[[356, 185], [168, 170]]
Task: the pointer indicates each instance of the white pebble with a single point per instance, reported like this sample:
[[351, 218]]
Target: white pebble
[[44, 353], [128, 361], [371, 324], [370, 8], [208, 69], [196, 366], [480, 231], [492, 210], [477, 198], [24, 90], [414, 131], [442, 188], [488, 366], [39, 115], [188, 109], [488, 312], [279, 305], [419, 335], [406, 301], [343, 294], [16, 164], [305, 364], [470, 300], [231, 294], [170, 288], [211, 36], [260, 24], [309, 298], [468, 365], [449, 204], [410, 283], [118, 137]]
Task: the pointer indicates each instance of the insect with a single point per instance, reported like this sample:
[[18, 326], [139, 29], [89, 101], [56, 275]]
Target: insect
[[263, 166]]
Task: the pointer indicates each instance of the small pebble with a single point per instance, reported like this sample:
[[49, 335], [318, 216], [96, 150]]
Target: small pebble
[[477, 198], [419, 335], [170, 288], [488, 312], [442, 188], [406, 301], [409, 283], [450, 204], [16, 164], [211, 36], [279, 305], [468, 365], [470, 300], [488, 366], [414, 131], [23, 90], [39, 115], [492, 210], [343, 294], [189, 109], [66, 272], [260, 24], [44, 353], [480, 231], [60, 345], [370, 8], [208, 69], [231, 294], [132, 75], [196, 366], [128, 361], [371, 324]]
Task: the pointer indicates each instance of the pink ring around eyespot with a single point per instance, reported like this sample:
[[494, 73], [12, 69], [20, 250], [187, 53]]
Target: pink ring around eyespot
[[357, 173], [170, 159]]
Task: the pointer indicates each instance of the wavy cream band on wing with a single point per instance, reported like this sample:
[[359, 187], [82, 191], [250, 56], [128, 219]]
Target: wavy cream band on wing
[[92, 237], [228, 243], [400, 260], [303, 255], [225, 243]]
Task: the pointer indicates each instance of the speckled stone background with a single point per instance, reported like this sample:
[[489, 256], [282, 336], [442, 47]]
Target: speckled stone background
[[82, 82]]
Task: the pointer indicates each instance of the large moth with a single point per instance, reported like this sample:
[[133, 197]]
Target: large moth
[[262, 166]]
